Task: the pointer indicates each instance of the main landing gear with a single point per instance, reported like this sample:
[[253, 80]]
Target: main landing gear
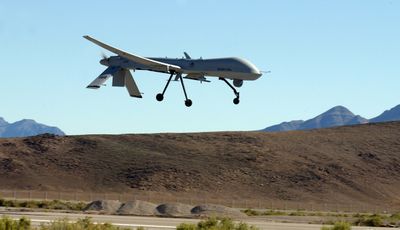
[[236, 100], [160, 96]]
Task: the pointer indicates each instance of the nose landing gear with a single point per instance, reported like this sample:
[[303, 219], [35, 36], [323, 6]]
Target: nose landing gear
[[236, 100]]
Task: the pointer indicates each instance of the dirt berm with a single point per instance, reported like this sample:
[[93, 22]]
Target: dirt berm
[[143, 208]]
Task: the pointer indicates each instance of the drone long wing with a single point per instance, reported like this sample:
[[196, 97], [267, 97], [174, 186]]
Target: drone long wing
[[154, 65]]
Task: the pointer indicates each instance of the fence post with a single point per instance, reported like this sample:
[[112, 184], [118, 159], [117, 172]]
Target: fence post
[[45, 195], [15, 195], [30, 195]]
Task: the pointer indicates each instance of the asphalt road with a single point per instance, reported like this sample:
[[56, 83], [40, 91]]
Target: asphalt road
[[155, 223]]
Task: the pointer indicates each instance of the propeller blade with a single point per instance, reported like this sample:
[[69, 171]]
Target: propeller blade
[[103, 55]]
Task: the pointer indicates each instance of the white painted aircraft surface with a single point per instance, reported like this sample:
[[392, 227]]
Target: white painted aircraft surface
[[236, 69]]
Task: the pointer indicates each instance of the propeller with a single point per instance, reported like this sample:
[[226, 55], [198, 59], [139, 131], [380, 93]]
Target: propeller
[[104, 56], [104, 60]]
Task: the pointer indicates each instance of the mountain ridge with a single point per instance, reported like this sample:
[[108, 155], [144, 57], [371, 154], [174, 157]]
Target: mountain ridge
[[392, 114], [334, 117], [25, 128]]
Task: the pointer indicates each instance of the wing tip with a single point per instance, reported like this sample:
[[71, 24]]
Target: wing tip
[[87, 37]]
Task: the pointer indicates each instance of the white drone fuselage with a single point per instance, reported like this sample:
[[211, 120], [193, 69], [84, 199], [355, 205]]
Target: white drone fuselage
[[233, 68]]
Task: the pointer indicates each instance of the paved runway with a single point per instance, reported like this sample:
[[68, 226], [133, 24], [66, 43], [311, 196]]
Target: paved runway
[[155, 223]]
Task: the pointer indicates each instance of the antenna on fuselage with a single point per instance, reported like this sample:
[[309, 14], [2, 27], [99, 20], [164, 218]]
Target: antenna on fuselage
[[187, 56]]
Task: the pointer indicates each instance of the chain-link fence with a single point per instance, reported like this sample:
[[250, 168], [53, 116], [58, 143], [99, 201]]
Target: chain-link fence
[[160, 198]]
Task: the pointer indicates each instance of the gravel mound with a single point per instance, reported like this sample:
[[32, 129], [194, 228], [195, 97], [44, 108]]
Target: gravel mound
[[138, 208], [216, 210], [144, 208], [174, 210], [103, 206]]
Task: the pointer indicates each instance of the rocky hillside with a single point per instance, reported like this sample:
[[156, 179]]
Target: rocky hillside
[[345, 164]]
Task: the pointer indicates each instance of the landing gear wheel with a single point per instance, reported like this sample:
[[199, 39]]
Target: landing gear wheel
[[188, 102], [236, 101], [160, 97]]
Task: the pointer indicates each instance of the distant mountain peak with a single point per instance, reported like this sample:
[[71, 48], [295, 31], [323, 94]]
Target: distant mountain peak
[[26, 121], [339, 109], [336, 116], [3, 122], [26, 127]]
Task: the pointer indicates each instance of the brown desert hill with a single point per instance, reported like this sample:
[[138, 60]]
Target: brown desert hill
[[345, 164]]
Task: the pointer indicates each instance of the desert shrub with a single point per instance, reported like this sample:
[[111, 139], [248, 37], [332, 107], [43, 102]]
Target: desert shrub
[[26, 204], [7, 203], [86, 222], [207, 224], [274, 213], [185, 226], [360, 215], [338, 226], [244, 226], [216, 224], [7, 223], [54, 204], [82, 224], [298, 213], [395, 216], [373, 220], [251, 212]]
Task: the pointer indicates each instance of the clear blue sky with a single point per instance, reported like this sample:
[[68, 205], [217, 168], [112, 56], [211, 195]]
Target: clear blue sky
[[321, 54]]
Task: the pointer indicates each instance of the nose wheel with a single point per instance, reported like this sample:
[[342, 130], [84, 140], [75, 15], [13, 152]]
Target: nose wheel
[[160, 96], [236, 100], [188, 102]]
